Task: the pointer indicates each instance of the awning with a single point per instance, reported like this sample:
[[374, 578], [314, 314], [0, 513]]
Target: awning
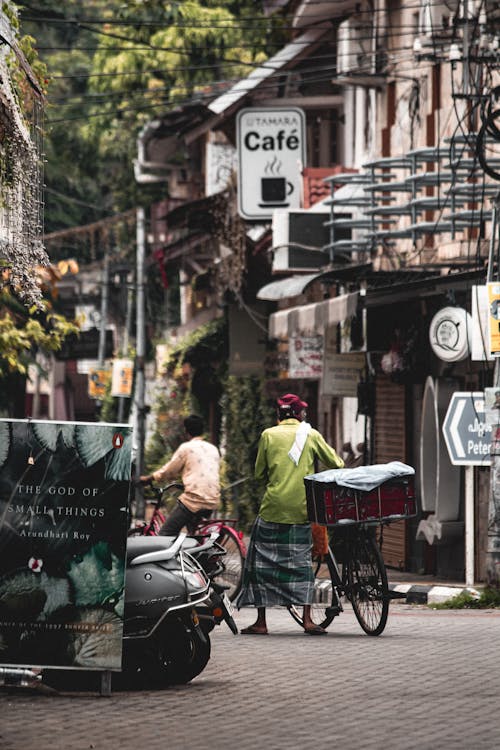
[[289, 287], [313, 318]]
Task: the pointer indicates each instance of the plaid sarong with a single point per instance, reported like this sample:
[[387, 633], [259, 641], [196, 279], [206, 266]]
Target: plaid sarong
[[278, 570]]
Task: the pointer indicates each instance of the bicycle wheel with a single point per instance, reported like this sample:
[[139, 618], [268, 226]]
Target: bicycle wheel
[[368, 590], [233, 560], [325, 605]]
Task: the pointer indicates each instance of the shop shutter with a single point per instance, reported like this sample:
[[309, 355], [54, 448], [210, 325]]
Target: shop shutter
[[390, 445]]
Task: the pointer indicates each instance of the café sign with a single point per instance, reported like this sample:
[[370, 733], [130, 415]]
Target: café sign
[[271, 156]]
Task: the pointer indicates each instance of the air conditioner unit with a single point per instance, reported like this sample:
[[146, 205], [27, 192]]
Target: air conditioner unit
[[298, 239], [301, 238]]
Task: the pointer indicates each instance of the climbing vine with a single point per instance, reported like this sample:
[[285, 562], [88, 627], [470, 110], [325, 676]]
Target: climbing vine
[[247, 411], [21, 204]]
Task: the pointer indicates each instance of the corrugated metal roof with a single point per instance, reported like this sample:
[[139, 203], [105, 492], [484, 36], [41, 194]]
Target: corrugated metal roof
[[267, 69]]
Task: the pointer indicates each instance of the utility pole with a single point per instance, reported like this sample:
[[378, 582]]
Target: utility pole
[[101, 353], [125, 282], [140, 384]]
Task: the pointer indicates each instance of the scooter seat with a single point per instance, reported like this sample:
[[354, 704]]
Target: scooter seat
[[139, 545]]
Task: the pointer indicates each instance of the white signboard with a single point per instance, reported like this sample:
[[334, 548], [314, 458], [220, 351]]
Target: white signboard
[[450, 334], [122, 377], [88, 317], [221, 162], [342, 373], [271, 155], [305, 355]]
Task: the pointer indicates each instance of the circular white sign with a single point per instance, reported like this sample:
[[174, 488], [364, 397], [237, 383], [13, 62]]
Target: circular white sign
[[450, 334]]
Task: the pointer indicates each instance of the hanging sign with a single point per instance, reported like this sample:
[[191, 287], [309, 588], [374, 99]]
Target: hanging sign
[[450, 334], [342, 373], [64, 496], [121, 381], [305, 357], [271, 148], [494, 317], [480, 326], [98, 382]]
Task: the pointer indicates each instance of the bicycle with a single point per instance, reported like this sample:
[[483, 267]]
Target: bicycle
[[356, 570], [227, 536], [357, 573]]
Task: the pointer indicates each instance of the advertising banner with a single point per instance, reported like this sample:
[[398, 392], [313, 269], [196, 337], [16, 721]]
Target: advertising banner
[[64, 493], [494, 317], [98, 382], [305, 357], [480, 311], [122, 377]]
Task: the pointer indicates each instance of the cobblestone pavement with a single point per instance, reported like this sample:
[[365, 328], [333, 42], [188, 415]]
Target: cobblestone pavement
[[431, 681]]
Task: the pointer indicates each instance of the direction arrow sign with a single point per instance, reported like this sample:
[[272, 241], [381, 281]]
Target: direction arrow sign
[[467, 436]]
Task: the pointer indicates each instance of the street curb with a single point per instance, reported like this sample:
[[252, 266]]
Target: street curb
[[409, 593], [421, 594]]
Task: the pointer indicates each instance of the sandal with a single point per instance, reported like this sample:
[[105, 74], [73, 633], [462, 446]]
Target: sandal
[[315, 630], [253, 630]]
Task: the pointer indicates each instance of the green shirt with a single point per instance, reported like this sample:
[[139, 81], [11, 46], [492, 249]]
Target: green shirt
[[284, 500]]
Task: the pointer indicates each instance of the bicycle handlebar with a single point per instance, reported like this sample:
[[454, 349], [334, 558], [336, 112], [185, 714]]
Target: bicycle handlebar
[[180, 486], [159, 491]]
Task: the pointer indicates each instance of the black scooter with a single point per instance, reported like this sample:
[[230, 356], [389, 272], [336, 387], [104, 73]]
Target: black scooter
[[163, 640]]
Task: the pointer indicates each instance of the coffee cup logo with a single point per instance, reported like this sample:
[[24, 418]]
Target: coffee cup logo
[[275, 191]]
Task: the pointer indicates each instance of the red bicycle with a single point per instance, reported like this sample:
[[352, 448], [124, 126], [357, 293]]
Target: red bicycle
[[227, 535]]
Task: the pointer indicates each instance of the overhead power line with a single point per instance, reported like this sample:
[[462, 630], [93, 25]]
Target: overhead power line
[[94, 226], [42, 17]]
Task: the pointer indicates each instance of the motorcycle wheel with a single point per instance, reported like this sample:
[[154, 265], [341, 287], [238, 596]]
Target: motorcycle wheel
[[173, 655], [200, 655]]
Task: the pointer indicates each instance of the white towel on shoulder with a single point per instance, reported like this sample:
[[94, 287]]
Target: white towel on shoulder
[[295, 451]]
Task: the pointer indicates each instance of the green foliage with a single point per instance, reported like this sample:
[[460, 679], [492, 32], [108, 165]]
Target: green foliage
[[171, 406], [109, 407], [20, 337], [107, 81], [489, 598], [212, 336], [247, 411]]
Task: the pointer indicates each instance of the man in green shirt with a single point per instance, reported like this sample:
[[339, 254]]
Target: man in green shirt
[[278, 566]]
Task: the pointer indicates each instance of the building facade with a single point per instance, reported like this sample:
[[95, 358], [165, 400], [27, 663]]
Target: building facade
[[393, 224]]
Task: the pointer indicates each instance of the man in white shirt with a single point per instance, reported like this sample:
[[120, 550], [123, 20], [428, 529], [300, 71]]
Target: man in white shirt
[[197, 463]]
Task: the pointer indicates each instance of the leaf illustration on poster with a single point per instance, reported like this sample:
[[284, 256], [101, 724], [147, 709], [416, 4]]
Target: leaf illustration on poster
[[92, 448], [64, 491], [49, 433]]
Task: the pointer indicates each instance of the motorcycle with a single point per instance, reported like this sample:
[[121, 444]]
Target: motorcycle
[[164, 642]]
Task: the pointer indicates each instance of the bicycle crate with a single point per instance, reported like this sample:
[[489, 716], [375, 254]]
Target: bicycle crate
[[331, 504]]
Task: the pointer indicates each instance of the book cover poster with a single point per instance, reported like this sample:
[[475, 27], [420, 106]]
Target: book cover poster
[[64, 493]]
